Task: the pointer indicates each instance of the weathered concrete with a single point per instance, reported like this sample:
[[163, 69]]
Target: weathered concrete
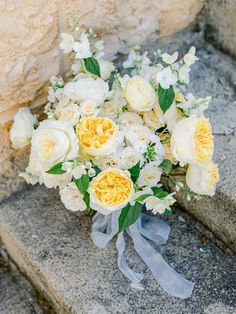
[[221, 24], [215, 74], [14, 297], [53, 247]]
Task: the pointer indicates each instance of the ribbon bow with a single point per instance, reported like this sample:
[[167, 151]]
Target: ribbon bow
[[104, 228]]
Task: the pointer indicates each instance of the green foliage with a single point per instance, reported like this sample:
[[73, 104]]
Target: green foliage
[[92, 66], [134, 172], [166, 166], [82, 183], [56, 169], [129, 215], [165, 97]]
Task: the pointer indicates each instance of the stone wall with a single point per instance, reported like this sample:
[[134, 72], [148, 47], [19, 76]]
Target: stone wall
[[29, 54], [221, 25]]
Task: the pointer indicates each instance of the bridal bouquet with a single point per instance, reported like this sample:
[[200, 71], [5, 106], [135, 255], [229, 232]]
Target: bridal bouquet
[[109, 136]]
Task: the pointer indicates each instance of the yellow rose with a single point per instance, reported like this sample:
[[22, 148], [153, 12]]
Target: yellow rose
[[192, 140], [202, 178], [97, 136], [140, 94], [110, 190]]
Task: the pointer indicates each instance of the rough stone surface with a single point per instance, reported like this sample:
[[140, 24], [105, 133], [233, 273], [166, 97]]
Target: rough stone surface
[[221, 24], [53, 247], [215, 74], [30, 34], [13, 298]]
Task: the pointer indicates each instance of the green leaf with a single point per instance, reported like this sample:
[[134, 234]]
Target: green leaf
[[97, 170], [167, 212], [141, 198], [56, 169], [82, 183], [159, 192], [129, 215], [165, 97], [166, 166], [134, 171], [92, 66]]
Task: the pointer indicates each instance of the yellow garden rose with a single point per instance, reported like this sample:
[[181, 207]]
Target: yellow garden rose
[[192, 140], [202, 178], [97, 136], [110, 190]]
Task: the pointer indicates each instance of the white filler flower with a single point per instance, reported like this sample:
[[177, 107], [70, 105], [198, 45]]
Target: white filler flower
[[166, 78], [67, 42], [22, 128], [72, 198]]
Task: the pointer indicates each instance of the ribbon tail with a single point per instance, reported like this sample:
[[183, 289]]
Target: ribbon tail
[[134, 277], [171, 281]]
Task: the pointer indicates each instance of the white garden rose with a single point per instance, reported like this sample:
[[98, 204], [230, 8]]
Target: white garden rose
[[110, 190], [22, 128], [192, 140], [202, 178], [150, 175], [87, 88], [88, 108], [128, 118], [139, 94], [153, 119], [54, 141], [109, 161], [69, 113], [106, 67], [130, 157], [72, 198]]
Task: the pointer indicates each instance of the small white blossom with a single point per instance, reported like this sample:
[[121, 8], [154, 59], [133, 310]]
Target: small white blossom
[[67, 42], [169, 59], [190, 57], [82, 47], [78, 171], [166, 78]]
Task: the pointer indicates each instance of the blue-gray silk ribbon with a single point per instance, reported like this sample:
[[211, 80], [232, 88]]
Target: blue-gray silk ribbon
[[104, 228]]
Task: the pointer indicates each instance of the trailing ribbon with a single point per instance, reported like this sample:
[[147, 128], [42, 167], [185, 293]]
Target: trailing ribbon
[[104, 228]]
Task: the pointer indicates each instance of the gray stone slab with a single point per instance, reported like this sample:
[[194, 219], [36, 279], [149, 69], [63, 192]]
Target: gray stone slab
[[13, 298], [215, 74], [53, 247]]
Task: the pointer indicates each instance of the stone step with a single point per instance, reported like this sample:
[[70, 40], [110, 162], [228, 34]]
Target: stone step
[[215, 74], [15, 298], [52, 246]]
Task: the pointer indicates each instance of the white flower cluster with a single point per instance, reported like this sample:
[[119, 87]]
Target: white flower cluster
[[108, 140]]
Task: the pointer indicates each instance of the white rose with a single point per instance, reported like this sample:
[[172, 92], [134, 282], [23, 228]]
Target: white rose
[[22, 128], [130, 157], [67, 42], [106, 68], [140, 94], [149, 175], [88, 108], [109, 161], [192, 140], [54, 141], [153, 120], [87, 88], [128, 118], [202, 178], [69, 113], [72, 198]]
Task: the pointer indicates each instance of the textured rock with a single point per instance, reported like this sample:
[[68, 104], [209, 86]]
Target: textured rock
[[53, 247], [221, 24], [29, 53], [14, 297]]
